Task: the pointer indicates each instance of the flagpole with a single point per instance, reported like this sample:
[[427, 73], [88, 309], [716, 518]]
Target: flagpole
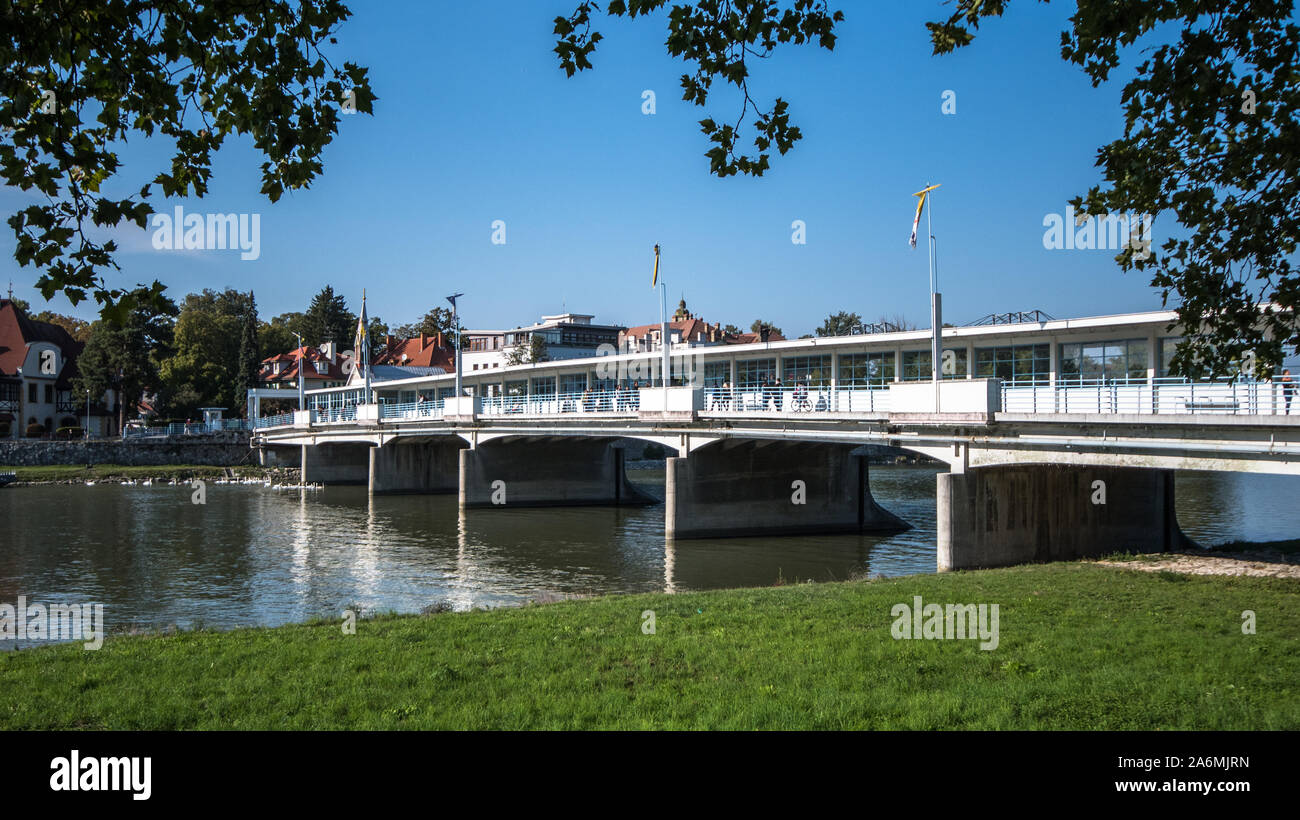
[[664, 341], [366, 347], [455, 329], [936, 310], [302, 360]]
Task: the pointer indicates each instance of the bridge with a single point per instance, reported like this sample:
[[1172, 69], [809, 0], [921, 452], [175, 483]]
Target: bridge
[[1061, 437]]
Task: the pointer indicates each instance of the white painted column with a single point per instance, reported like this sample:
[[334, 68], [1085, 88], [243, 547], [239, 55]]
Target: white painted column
[[1153, 362], [835, 380], [1054, 365]]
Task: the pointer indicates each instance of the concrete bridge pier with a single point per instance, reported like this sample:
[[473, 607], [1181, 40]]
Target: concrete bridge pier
[[546, 472], [404, 466], [771, 487], [1017, 514], [335, 463], [269, 456]]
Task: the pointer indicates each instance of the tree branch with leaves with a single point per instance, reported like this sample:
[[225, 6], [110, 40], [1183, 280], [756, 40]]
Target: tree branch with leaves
[[720, 39], [1210, 137], [78, 78]]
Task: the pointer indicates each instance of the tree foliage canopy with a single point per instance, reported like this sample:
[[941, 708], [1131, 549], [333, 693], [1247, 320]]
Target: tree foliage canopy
[[80, 77], [839, 324], [204, 370], [721, 39], [758, 324], [437, 320], [125, 357], [328, 319], [1210, 137], [78, 329], [535, 352]]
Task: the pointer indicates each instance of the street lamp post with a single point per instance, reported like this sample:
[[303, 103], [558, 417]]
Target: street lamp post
[[87, 436], [455, 329]]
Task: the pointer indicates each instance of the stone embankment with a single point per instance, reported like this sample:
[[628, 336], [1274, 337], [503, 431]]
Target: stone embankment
[[226, 449]]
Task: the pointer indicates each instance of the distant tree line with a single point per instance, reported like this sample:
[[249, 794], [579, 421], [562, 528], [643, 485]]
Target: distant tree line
[[205, 351]]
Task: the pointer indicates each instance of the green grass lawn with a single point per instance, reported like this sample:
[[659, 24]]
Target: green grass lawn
[[1081, 647], [73, 472]]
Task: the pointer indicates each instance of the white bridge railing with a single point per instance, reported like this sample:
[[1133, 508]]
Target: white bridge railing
[[610, 402], [744, 401], [1157, 397], [427, 409]]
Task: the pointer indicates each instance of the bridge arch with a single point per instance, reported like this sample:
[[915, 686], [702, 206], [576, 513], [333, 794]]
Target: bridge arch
[[670, 441], [546, 469], [737, 485]]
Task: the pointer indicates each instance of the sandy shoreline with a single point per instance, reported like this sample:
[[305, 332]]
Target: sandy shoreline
[[1260, 564]]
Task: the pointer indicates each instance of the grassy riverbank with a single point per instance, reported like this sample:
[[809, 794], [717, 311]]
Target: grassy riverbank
[[1081, 647], [74, 473]]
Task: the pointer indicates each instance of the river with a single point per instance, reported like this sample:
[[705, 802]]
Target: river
[[257, 556]]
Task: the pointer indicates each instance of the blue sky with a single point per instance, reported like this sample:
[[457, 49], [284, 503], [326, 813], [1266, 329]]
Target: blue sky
[[475, 122]]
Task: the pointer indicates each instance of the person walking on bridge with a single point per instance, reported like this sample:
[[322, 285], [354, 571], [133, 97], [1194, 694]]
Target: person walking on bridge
[[1288, 390]]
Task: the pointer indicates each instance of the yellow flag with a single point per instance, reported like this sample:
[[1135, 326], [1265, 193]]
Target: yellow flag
[[654, 280], [920, 205]]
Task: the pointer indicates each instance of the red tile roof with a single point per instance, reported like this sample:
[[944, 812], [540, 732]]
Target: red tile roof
[[693, 328], [419, 351], [17, 332], [754, 338], [289, 366]]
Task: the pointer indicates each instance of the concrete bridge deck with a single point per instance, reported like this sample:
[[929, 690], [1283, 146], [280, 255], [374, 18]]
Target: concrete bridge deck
[[1020, 486]]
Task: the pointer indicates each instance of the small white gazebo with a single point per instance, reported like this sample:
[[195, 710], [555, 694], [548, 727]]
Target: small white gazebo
[[212, 417]]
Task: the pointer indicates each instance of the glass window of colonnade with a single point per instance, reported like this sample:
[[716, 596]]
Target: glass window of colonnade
[[1167, 349], [752, 372], [815, 370], [866, 369], [715, 373], [1120, 360], [916, 365], [573, 382], [1015, 364]]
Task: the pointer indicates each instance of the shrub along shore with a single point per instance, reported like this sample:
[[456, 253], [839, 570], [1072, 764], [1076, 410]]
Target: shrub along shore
[[1079, 646]]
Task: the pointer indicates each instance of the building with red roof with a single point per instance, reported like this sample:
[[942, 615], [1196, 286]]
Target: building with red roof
[[418, 351], [685, 329], [38, 363], [322, 367]]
